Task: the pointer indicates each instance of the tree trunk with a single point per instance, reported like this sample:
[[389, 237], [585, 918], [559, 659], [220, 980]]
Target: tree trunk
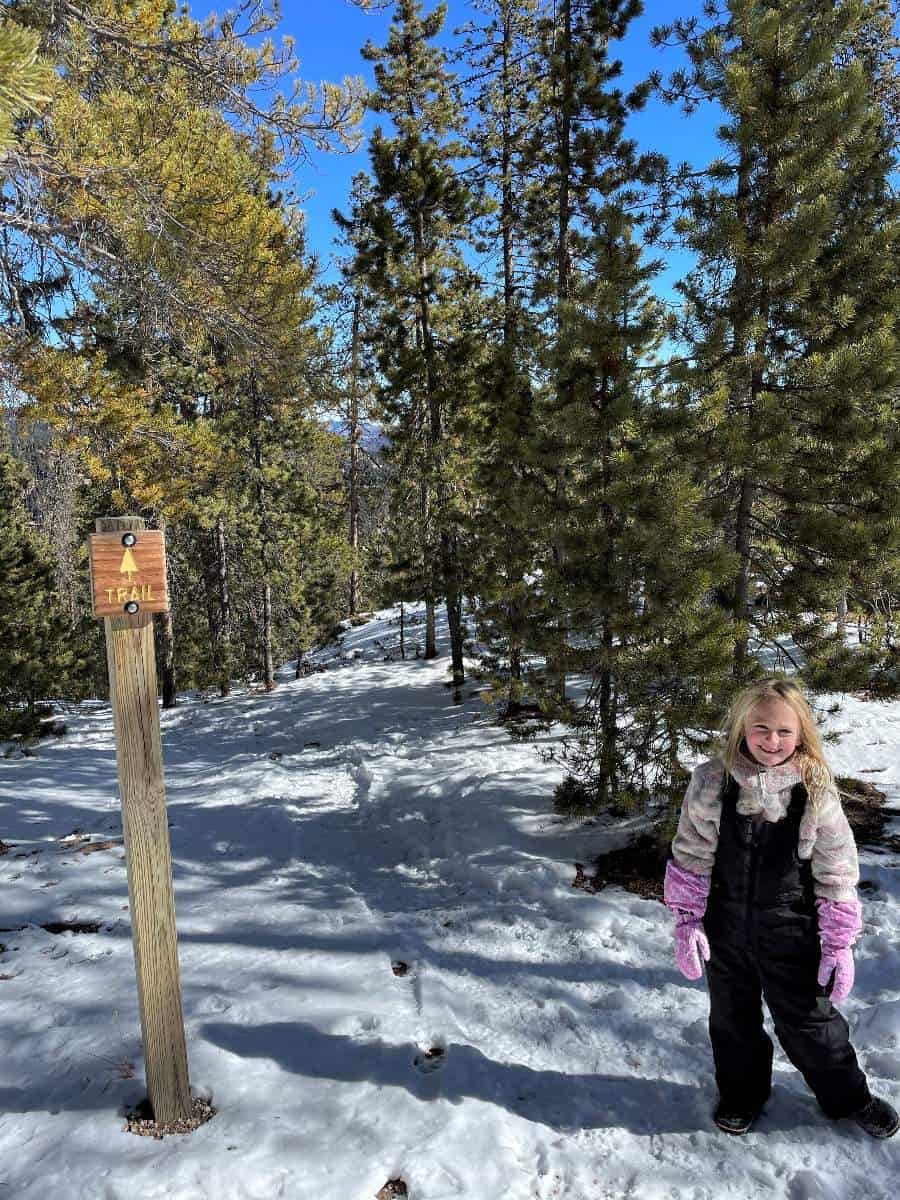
[[742, 579], [454, 616], [207, 554], [563, 261], [507, 209], [609, 733], [430, 638], [842, 616], [448, 557], [167, 659], [353, 597], [268, 662], [166, 631], [507, 226], [453, 600], [742, 408], [607, 784], [224, 597], [263, 518], [557, 662], [516, 644]]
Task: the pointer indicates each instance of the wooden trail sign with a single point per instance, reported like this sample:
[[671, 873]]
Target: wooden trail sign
[[128, 572], [120, 548]]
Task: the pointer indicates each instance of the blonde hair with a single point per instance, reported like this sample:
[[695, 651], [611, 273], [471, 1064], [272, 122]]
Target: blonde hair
[[809, 756]]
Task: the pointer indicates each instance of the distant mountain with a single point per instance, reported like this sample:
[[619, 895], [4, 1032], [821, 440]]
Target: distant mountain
[[373, 437]]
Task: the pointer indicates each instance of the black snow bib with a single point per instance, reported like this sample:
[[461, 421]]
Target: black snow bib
[[759, 882]]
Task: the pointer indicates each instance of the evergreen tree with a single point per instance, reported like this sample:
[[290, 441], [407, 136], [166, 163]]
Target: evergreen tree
[[135, 176], [575, 153], [26, 82], [637, 564], [355, 399], [505, 526], [876, 43], [419, 211], [36, 656], [791, 314], [629, 568], [179, 424]]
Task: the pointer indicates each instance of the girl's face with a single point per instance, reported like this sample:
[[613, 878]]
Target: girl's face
[[772, 732]]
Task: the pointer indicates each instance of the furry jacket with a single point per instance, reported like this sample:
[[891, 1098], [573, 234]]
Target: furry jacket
[[825, 838]]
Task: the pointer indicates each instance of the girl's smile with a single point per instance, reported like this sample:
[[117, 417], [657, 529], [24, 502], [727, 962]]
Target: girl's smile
[[772, 732]]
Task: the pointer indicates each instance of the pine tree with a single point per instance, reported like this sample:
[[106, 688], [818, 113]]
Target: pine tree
[[26, 81], [135, 176], [420, 209], [36, 656], [574, 144], [791, 314], [627, 574], [637, 564], [505, 527], [876, 43], [355, 399]]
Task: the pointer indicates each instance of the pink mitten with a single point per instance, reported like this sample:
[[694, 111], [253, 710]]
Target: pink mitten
[[839, 925], [686, 893], [690, 946]]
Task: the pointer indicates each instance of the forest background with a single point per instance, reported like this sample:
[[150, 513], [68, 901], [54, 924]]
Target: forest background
[[631, 420]]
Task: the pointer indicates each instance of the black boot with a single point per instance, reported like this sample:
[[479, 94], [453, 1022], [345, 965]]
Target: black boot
[[731, 1120], [879, 1119]]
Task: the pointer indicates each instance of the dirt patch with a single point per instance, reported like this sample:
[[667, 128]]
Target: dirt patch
[[638, 868], [514, 713], [393, 1188], [80, 843], [59, 927], [91, 847], [863, 803], [73, 926], [308, 668], [140, 1120]]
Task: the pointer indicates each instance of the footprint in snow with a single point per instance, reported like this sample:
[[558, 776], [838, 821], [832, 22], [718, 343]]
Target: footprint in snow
[[430, 1060], [213, 1004], [807, 1185], [696, 1033], [883, 1064]]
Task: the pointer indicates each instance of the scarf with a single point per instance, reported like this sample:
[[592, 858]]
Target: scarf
[[764, 791]]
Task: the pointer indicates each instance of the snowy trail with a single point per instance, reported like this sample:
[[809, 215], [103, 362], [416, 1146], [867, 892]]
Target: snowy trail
[[386, 971]]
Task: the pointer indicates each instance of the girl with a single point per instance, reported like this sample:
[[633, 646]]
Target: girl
[[762, 880]]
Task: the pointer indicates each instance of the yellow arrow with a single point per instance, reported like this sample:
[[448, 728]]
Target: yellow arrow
[[128, 566]]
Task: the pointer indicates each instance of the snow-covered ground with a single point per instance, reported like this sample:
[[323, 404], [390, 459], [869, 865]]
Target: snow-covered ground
[[353, 820]]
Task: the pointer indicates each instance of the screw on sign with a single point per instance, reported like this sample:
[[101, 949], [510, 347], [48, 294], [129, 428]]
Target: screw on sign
[[128, 584]]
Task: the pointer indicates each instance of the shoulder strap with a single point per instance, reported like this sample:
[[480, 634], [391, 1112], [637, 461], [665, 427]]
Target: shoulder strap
[[799, 796], [730, 789]]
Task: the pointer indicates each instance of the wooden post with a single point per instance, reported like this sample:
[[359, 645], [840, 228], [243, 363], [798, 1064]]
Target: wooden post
[[132, 685]]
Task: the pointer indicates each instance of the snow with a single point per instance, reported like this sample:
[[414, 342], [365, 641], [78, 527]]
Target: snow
[[351, 821]]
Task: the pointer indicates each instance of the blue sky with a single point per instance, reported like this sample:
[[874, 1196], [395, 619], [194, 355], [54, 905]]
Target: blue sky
[[329, 35]]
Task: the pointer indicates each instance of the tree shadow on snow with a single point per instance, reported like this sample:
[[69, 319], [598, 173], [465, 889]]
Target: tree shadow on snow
[[554, 1098]]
